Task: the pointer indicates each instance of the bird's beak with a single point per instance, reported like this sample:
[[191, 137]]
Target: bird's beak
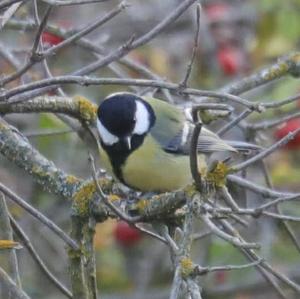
[[127, 142]]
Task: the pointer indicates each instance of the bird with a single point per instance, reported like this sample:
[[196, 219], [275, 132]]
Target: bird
[[145, 142]]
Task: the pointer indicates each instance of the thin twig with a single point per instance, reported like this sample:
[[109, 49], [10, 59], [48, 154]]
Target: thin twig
[[105, 199], [26, 242], [266, 152], [234, 122], [277, 104], [48, 133], [231, 239], [86, 81], [264, 191], [228, 198], [183, 84], [199, 270], [72, 2], [38, 215], [249, 254], [14, 291], [272, 123], [126, 48], [6, 233], [34, 56], [150, 233], [97, 23]]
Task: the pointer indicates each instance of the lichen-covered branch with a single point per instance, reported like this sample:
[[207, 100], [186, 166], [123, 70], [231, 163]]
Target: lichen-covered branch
[[77, 107], [18, 150], [288, 65], [77, 273]]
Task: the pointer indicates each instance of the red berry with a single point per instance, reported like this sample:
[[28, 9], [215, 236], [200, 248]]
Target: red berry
[[51, 39], [230, 60], [290, 126], [217, 11], [220, 277], [126, 235]]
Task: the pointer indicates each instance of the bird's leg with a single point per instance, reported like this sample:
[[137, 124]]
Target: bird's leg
[[132, 199]]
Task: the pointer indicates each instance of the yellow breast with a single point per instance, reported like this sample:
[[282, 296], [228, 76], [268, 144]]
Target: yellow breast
[[146, 171]]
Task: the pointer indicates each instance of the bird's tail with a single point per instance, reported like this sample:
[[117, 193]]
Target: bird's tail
[[244, 147], [209, 142]]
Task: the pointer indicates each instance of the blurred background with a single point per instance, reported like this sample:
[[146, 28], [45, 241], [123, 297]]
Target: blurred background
[[236, 39]]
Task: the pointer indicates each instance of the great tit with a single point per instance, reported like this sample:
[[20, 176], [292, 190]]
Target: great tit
[[145, 142]]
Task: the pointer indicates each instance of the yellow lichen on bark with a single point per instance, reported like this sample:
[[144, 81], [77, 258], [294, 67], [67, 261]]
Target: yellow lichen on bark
[[83, 197], [9, 244], [71, 179], [186, 266], [217, 176], [142, 204], [87, 110]]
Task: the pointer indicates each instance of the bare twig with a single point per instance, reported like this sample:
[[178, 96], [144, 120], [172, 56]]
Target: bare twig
[[38, 215], [272, 123], [277, 104], [288, 64], [183, 84], [48, 133], [234, 122], [34, 56], [85, 81], [26, 242], [124, 49], [14, 291], [97, 23], [198, 270], [229, 238], [266, 152], [264, 191], [228, 198], [72, 2], [7, 234], [106, 201]]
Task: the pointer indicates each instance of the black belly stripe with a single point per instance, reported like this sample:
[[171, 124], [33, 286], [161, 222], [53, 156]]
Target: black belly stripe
[[118, 154]]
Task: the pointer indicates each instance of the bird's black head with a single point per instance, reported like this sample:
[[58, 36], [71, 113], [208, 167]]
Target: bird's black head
[[121, 116], [117, 114]]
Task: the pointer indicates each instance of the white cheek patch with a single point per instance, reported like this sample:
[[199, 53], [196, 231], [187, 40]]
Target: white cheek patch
[[106, 136], [142, 119], [185, 133], [188, 114]]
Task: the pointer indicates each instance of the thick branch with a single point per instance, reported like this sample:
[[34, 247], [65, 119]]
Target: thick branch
[[16, 148]]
